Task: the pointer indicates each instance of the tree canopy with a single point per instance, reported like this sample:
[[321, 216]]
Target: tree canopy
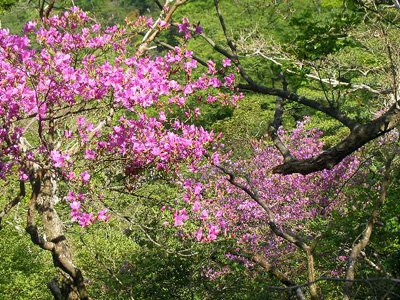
[[155, 151]]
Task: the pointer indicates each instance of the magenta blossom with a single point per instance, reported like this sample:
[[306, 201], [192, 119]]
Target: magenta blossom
[[85, 176]]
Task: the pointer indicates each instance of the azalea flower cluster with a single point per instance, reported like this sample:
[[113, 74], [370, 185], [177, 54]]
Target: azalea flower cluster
[[225, 211], [185, 27], [84, 219], [77, 100]]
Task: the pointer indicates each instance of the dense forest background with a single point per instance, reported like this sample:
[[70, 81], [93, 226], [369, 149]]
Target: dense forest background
[[344, 54]]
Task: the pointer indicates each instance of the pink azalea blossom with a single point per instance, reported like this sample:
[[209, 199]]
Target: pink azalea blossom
[[29, 26], [179, 217], [101, 215], [90, 154], [76, 205], [85, 176], [226, 63], [137, 89], [198, 29], [85, 219]]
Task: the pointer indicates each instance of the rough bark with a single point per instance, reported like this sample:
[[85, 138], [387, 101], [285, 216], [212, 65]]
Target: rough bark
[[358, 137], [42, 201], [311, 273]]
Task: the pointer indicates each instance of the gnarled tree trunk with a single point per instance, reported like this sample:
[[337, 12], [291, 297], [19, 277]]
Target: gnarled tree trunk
[[43, 200]]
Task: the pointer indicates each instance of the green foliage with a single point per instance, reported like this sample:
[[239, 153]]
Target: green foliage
[[24, 268], [248, 121], [135, 254], [6, 5], [319, 34], [16, 16], [114, 12]]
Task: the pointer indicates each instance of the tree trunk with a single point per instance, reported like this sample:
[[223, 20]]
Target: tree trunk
[[311, 274], [43, 200]]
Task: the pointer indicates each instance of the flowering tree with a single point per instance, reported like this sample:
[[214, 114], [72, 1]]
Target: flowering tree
[[76, 108], [78, 111], [267, 215], [301, 63]]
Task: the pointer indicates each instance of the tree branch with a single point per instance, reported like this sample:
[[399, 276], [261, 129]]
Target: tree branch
[[215, 46], [170, 47], [255, 45], [255, 87], [366, 235], [359, 136], [49, 9], [276, 273], [42, 199], [360, 133], [158, 3], [155, 31], [374, 265], [274, 126], [330, 111], [396, 3], [288, 236], [223, 25]]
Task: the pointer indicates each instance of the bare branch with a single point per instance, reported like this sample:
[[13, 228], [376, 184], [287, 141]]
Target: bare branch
[[255, 87], [215, 46], [397, 3], [360, 133], [276, 273], [223, 25], [330, 111], [254, 44], [366, 235], [274, 126], [160, 6], [49, 8], [155, 31], [374, 265]]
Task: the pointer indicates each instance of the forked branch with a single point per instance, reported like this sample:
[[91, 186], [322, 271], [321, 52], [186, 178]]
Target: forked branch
[[157, 28], [277, 230], [360, 133], [279, 275]]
